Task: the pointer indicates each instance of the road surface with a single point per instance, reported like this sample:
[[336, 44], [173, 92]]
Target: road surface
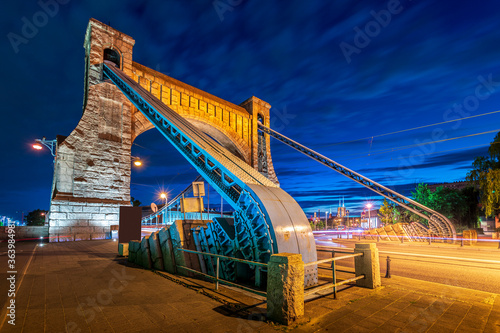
[[458, 266]]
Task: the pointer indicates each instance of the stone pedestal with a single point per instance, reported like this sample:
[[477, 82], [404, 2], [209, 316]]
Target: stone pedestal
[[285, 288], [367, 265], [155, 250], [123, 249]]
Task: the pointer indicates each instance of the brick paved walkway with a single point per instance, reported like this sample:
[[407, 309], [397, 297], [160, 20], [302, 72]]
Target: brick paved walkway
[[85, 287]]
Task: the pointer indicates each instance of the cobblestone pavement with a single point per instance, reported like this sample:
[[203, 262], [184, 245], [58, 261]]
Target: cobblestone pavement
[[85, 287]]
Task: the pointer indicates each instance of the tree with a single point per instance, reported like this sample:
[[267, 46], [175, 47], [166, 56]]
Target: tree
[[134, 202], [486, 176], [459, 206], [36, 217], [387, 213]]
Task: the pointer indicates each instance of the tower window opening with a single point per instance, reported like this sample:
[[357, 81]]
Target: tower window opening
[[113, 56]]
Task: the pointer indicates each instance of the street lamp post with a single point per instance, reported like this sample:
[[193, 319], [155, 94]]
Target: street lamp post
[[163, 195], [369, 206]]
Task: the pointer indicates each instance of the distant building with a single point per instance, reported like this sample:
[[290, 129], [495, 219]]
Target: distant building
[[342, 212], [370, 220]]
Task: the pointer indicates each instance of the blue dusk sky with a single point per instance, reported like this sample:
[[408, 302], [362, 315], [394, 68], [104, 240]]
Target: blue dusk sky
[[340, 76]]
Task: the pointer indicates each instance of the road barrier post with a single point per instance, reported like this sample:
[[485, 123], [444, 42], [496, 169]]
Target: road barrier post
[[285, 288], [388, 272], [462, 242], [368, 265]]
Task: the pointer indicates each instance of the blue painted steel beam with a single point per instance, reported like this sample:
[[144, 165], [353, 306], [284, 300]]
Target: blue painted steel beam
[[437, 222]]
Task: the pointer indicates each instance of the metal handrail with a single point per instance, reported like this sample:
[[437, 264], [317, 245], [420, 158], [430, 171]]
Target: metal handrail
[[334, 270], [226, 257], [322, 261], [216, 278], [329, 285]]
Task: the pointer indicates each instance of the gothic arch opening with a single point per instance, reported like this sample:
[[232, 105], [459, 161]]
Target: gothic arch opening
[[113, 56]]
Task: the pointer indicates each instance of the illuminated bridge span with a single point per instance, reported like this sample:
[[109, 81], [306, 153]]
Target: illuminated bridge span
[[221, 140], [266, 219]]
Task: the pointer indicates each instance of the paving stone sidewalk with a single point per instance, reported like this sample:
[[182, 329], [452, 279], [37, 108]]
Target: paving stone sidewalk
[[85, 287]]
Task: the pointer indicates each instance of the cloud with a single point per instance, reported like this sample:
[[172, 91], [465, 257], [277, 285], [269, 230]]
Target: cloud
[[444, 160]]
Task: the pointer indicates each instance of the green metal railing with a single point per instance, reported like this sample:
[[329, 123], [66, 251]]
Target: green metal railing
[[334, 284], [216, 270]]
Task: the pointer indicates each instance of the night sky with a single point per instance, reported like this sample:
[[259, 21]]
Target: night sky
[[338, 74]]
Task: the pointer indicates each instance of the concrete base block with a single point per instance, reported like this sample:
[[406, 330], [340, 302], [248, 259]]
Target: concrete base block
[[155, 250], [367, 265], [99, 236], [285, 288], [138, 257], [146, 253], [133, 248], [79, 237], [123, 249], [166, 250]]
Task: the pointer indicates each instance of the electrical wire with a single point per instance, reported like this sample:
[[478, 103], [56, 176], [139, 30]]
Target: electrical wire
[[411, 129], [390, 150], [436, 152]]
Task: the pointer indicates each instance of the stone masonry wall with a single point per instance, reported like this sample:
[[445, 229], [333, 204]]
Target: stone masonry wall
[[238, 123], [196, 105], [92, 169]]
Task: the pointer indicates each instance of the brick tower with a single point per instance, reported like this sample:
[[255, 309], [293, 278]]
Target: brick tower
[[92, 169]]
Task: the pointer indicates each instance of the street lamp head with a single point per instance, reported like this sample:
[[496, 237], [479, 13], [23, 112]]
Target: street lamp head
[[136, 161], [163, 195], [369, 205], [51, 144]]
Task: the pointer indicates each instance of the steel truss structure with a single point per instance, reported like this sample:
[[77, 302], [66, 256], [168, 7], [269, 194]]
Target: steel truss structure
[[439, 225]]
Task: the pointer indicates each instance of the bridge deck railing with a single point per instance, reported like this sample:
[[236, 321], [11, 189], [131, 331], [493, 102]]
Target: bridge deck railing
[[171, 212], [334, 284], [216, 278]]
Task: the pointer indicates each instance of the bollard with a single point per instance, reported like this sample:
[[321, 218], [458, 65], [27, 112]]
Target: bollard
[[402, 239], [429, 239], [462, 242], [499, 244], [378, 238], [359, 236], [367, 265], [388, 272], [285, 288]]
